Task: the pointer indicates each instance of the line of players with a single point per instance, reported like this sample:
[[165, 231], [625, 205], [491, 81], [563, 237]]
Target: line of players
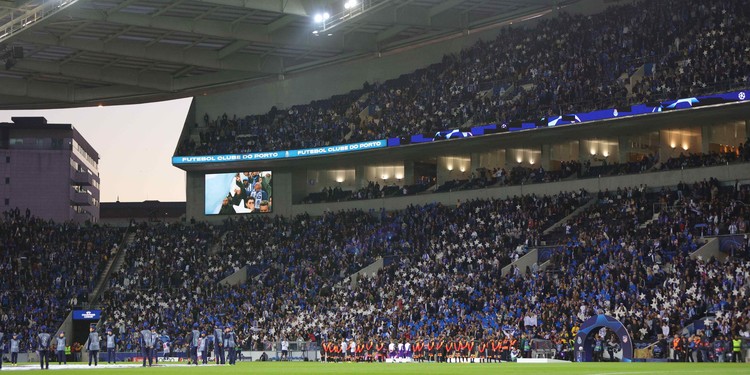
[[224, 341], [45, 348], [223, 338], [442, 349]]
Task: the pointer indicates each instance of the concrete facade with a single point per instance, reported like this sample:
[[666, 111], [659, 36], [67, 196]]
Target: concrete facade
[[48, 169]]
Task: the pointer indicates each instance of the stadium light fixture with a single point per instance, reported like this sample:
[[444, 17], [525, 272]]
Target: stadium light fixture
[[321, 17], [352, 9]]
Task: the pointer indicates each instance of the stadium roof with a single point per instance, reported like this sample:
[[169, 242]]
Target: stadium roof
[[90, 52]]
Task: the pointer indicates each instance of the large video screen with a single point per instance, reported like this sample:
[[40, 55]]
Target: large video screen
[[239, 193]]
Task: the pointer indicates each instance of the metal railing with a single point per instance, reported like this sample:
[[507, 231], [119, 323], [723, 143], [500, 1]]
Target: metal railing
[[21, 19]]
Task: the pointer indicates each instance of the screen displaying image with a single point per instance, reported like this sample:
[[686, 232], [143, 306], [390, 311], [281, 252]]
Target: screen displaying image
[[239, 193]]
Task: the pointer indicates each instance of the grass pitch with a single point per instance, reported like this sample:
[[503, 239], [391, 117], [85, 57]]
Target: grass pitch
[[313, 368]]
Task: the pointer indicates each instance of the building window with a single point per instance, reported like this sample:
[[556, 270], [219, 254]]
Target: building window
[[7, 159], [7, 180], [7, 201]]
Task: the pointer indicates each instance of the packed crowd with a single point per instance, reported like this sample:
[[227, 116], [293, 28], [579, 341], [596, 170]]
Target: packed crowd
[[704, 50], [446, 273], [47, 269], [162, 258], [615, 260], [303, 259], [522, 74]]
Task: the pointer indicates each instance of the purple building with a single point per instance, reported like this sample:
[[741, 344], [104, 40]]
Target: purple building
[[49, 169]]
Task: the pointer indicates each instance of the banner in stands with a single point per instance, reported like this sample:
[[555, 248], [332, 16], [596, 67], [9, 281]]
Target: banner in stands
[[272, 155], [87, 314], [576, 118]]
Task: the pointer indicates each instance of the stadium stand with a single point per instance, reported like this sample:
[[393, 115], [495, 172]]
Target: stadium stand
[[608, 61], [48, 269], [449, 269], [336, 245], [631, 248], [628, 255]]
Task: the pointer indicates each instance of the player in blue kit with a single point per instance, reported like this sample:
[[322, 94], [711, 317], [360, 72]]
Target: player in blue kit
[[147, 347], [15, 346], [43, 342], [60, 349], [111, 344], [219, 344], [195, 335], [230, 341], [93, 346]]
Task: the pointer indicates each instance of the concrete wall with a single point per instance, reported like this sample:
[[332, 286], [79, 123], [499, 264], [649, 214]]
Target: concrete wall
[[367, 271], [709, 250], [525, 261], [66, 326], [38, 180], [597, 151], [319, 179], [682, 141], [237, 278], [525, 157], [456, 167]]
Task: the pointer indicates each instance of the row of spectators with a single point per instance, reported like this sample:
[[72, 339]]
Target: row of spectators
[[373, 190], [696, 160], [564, 64], [520, 175], [47, 269]]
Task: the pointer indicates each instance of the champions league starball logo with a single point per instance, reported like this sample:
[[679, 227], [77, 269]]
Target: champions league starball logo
[[585, 338], [741, 95]]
